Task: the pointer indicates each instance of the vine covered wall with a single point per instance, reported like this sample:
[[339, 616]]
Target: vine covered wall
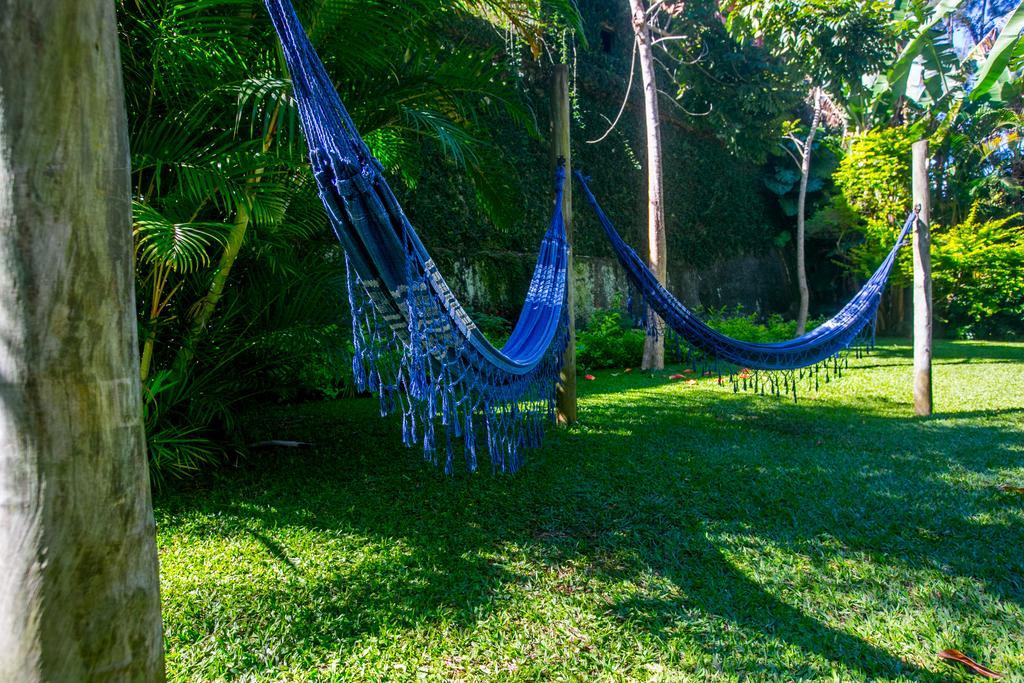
[[720, 220]]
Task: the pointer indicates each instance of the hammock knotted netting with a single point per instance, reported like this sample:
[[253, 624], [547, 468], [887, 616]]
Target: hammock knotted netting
[[415, 345], [764, 367]]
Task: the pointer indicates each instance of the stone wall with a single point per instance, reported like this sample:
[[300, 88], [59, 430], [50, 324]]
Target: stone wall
[[496, 283]]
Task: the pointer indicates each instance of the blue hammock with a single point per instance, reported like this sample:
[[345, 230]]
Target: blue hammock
[[415, 345], [824, 343]]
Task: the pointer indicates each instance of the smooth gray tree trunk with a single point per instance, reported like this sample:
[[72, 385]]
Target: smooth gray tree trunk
[[79, 592], [922, 282], [657, 245], [801, 216]]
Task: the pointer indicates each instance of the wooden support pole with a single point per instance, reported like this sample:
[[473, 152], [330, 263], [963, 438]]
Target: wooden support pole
[[565, 403], [922, 283], [79, 589]]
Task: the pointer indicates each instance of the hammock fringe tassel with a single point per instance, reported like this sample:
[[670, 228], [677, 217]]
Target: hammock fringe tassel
[[427, 373], [415, 345]]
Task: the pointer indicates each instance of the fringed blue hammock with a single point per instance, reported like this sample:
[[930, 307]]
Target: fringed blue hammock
[[817, 350], [415, 346]]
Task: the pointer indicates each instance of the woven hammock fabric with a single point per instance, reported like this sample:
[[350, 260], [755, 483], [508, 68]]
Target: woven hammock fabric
[[822, 343], [415, 345]]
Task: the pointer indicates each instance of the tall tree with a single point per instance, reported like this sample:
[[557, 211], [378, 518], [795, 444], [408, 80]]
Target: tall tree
[[830, 45], [79, 591], [657, 244]]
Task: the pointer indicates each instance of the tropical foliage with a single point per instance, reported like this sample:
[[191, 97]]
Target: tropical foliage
[[979, 276], [953, 82], [873, 177], [240, 284]]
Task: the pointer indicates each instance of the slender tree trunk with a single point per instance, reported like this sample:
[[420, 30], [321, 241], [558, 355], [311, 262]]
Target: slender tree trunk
[[561, 145], [147, 356], [654, 344], [801, 215], [208, 303], [236, 238], [899, 324], [79, 590], [922, 282], [227, 260]]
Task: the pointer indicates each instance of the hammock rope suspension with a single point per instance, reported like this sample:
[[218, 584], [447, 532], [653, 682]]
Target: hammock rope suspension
[[765, 367], [416, 347]]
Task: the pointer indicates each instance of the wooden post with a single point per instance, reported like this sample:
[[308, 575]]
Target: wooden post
[[565, 403], [79, 589], [922, 283]]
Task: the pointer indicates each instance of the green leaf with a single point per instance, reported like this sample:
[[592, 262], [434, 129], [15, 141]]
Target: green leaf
[[183, 247], [1001, 54], [899, 73]]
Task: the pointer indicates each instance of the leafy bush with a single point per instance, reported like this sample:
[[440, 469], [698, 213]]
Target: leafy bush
[[187, 415], [874, 178], [751, 327], [313, 362], [609, 341], [978, 275], [494, 327]]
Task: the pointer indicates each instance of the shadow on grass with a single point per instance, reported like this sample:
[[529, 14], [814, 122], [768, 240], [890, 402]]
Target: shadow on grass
[[952, 351], [647, 486]]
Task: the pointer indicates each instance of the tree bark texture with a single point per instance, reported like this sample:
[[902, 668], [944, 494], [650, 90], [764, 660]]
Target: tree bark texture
[[657, 246], [79, 590], [922, 283], [561, 143], [801, 216]]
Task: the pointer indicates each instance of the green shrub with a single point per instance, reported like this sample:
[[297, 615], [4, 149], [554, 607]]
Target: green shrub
[[751, 327], [609, 341], [978, 271], [307, 362], [494, 327]]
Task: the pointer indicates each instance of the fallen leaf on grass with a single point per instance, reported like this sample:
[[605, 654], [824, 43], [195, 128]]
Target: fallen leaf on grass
[[590, 377], [676, 376], [961, 658], [1006, 488], [628, 370], [691, 382]]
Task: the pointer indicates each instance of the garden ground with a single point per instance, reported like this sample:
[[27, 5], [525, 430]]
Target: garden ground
[[679, 532]]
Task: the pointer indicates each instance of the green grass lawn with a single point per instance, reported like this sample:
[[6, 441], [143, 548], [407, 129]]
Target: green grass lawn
[[678, 533]]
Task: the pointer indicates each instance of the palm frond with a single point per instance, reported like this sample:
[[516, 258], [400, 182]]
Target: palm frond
[[184, 247]]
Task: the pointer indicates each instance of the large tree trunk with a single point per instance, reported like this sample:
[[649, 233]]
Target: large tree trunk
[[79, 592], [801, 215], [657, 247]]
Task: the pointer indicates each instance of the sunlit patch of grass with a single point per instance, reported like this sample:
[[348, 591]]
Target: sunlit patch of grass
[[677, 533]]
